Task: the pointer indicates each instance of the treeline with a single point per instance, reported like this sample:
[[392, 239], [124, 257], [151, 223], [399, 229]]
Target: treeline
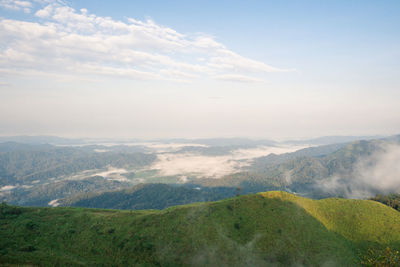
[[391, 200]]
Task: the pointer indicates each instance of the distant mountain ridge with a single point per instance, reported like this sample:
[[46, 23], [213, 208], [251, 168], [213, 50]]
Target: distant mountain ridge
[[233, 141], [40, 139], [327, 140]]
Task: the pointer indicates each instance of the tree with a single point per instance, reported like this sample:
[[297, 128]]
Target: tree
[[238, 191]]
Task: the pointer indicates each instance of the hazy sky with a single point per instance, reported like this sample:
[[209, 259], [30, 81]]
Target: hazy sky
[[271, 69]]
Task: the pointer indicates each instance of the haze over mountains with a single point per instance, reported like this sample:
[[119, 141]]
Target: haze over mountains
[[199, 133], [41, 174]]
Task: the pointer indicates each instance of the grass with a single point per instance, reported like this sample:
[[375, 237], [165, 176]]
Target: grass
[[356, 220], [273, 228]]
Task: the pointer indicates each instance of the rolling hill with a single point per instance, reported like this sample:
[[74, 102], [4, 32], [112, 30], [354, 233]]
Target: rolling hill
[[272, 228]]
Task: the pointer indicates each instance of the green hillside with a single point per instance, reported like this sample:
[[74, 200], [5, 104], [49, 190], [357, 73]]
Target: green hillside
[[273, 228], [391, 200]]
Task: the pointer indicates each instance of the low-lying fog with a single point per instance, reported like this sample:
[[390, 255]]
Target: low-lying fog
[[169, 164]]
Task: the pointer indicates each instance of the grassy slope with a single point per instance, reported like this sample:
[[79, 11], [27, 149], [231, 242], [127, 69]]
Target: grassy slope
[[356, 220], [273, 227]]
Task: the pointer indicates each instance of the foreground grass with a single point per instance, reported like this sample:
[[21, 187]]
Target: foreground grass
[[273, 228]]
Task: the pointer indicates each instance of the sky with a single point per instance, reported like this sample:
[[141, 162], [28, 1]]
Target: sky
[[169, 69]]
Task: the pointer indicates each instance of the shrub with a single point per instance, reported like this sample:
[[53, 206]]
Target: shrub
[[381, 258]]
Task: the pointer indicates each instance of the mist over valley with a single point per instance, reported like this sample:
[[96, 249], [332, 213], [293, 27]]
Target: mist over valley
[[200, 133]]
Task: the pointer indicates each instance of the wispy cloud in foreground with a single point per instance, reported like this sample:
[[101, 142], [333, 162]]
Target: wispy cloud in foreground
[[377, 173], [63, 40]]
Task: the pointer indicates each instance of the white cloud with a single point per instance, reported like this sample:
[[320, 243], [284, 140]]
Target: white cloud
[[67, 41], [226, 59], [16, 5], [381, 170], [45, 12], [375, 173], [237, 78]]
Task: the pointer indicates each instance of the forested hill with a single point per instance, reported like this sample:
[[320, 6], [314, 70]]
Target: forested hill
[[149, 196], [313, 171], [21, 163], [273, 228]]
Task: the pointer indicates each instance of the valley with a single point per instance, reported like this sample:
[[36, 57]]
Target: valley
[[199, 133], [54, 171], [51, 174]]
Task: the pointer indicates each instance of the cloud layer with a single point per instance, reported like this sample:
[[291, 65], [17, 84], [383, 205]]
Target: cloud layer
[[213, 166], [62, 40]]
